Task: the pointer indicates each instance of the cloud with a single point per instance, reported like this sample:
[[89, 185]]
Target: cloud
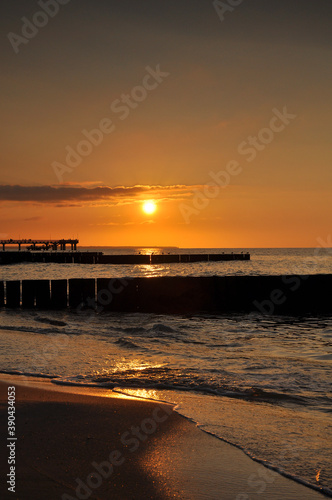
[[80, 195]]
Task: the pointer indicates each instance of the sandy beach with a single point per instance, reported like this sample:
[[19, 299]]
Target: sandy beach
[[73, 443]]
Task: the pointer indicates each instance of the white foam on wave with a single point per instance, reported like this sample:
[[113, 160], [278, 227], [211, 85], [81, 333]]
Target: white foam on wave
[[28, 374]]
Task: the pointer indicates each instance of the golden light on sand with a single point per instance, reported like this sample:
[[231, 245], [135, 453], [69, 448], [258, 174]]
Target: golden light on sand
[[149, 207]]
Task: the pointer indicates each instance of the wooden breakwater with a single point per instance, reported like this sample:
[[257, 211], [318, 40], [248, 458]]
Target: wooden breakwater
[[178, 295], [13, 257]]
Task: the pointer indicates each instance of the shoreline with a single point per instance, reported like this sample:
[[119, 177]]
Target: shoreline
[[155, 452]]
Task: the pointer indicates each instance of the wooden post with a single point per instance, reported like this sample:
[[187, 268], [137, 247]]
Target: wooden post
[[59, 294], [28, 294], [115, 294], [13, 294], [82, 293], [2, 293], [42, 294]]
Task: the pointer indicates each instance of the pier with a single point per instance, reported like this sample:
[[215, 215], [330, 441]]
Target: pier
[[45, 244], [175, 295]]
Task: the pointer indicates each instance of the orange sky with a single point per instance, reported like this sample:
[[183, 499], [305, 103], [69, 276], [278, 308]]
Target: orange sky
[[176, 98]]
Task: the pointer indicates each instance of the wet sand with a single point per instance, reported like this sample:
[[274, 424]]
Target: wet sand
[[73, 443]]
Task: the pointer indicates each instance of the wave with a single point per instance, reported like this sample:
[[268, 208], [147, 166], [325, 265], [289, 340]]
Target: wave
[[160, 327], [126, 343], [32, 329], [130, 330], [111, 383], [50, 321], [72, 383], [156, 331], [165, 378], [29, 374], [42, 331]]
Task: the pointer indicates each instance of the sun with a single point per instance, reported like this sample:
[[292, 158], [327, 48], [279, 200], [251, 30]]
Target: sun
[[149, 207]]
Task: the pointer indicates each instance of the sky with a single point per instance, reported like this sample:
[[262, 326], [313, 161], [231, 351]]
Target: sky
[[217, 111]]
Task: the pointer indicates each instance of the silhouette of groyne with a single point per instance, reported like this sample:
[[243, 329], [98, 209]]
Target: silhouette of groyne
[[175, 295], [12, 257]]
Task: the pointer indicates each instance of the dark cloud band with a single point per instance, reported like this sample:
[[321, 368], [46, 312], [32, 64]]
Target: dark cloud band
[[98, 194]]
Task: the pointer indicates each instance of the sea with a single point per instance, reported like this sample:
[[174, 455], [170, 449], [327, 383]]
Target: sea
[[260, 382]]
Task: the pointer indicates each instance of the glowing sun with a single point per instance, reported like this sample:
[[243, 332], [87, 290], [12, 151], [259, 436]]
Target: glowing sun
[[149, 207]]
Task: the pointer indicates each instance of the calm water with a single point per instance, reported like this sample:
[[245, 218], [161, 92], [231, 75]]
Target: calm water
[[262, 383], [263, 261]]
